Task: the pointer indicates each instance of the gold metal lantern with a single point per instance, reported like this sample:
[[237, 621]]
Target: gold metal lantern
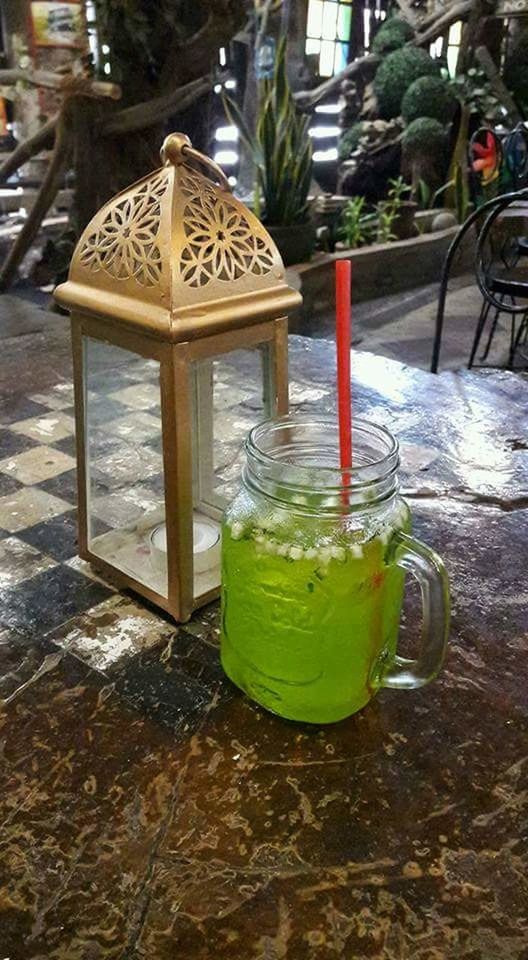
[[179, 309]]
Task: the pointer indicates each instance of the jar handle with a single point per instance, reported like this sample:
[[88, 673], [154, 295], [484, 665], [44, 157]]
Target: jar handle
[[429, 570]]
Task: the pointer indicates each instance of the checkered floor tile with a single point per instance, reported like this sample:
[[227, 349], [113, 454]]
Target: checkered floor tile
[[50, 599], [28, 506], [43, 583], [20, 561], [58, 398], [39, 463], [139, 397], [47, 428]]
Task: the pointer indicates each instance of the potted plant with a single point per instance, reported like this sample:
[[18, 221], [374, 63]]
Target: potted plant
[[357, 226], [282, 152], [400, 209], [390, 219]]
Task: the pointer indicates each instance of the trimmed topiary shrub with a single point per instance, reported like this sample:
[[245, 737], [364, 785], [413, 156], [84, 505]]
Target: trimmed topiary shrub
[[516, 71], [392, 35], [423, 138], [350, 140], [428, 97], [395, 75]]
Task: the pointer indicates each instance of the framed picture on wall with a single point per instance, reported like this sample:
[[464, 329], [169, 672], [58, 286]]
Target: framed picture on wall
[[56, 24]]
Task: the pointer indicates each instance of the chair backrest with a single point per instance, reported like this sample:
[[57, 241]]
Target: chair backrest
[[495, 205], [498, 285]]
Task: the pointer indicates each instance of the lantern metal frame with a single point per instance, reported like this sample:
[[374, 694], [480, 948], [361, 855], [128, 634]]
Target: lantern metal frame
[[235, 297]]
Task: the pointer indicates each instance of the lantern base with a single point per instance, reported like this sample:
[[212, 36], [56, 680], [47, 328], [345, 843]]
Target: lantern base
[[134, 552]]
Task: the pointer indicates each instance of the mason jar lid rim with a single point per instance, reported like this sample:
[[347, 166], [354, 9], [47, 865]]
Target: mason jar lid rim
[[359, 424]]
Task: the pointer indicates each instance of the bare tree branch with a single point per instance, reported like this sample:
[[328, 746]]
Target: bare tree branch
[[503, 95], [29, 148], [154, 111], [434, 26], [67, 83], [193, 57], [307, 99], [94, 88], [430, 18], [45, 197], [408, 12], [37, 78]]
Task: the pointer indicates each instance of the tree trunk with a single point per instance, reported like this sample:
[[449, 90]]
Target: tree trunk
[[104, 165], [470, 37]]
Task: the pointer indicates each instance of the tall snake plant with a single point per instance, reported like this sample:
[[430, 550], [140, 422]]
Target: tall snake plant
[[281, 149]]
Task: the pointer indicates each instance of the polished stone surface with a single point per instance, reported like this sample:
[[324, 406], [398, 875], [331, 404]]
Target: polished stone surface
[[149, 811]]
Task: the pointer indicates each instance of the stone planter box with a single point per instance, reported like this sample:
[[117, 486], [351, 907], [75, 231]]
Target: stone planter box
[[380, 269]]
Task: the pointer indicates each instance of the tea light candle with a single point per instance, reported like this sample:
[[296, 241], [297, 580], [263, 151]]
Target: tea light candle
[[206, 545]]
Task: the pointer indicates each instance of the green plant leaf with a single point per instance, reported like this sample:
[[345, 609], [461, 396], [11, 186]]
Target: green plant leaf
[[438, 193], [236, 118], [281, 147], [281, 88]]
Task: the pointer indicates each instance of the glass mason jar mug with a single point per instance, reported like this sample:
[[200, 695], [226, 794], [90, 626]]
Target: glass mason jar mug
[[313, 567]]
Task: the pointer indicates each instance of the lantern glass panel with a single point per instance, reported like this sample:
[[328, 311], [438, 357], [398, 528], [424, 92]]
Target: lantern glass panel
[[233, 393], [124, 461]]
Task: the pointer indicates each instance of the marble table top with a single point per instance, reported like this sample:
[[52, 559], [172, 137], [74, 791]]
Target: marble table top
[[150, 811]]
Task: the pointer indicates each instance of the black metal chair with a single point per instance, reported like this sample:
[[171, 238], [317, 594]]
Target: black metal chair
[[502, 291], [496, 287]]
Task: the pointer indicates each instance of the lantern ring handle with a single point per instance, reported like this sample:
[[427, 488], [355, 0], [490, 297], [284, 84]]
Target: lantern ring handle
[[209, 164], [177, 149]]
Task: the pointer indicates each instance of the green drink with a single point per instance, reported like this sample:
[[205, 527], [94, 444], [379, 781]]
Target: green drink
[[313, 582], [302, 626]]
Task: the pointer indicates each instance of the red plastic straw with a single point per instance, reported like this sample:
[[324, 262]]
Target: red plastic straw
[[343, 277]]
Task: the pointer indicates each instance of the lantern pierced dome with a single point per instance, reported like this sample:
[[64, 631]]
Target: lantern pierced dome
[[177, 255]]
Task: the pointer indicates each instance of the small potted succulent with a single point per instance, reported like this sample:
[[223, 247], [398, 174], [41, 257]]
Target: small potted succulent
[[282, 152], [400, 209], [390, 219], [357, 226]]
